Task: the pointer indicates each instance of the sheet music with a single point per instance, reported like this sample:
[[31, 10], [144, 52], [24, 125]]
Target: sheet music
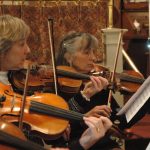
[[136, 101], [148, 147]]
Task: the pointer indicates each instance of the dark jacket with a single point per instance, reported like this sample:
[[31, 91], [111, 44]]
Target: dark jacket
[[79, 104]]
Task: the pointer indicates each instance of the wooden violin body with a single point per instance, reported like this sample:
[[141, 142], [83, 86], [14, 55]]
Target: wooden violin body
[[133, 81], [46, 126], [47, 114], [12, 131], [42, 80], [12, 138]]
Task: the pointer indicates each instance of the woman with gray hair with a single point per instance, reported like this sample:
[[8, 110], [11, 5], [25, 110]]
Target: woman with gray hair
[[75, 43], [79, 50]]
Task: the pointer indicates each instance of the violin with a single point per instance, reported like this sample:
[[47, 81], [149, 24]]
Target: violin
[[46, 113], [46, 126], [70, 80], [12, 138], [42, 80], [131, 80], [127, 81]]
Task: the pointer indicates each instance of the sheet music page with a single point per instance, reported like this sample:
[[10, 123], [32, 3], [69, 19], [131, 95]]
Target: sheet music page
[[136, 101], [148, 147]]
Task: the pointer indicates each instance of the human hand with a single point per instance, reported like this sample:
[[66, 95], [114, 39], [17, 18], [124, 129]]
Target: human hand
[[98, 111], [97, 128], [106, 123], [94, 86]]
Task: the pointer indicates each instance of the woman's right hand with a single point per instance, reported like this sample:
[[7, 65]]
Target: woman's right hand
[[98, 111]]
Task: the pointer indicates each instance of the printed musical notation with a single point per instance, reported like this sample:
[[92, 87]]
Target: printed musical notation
[[136, 102]]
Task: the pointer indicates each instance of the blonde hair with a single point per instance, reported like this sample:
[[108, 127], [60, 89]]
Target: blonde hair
[[12, 29]]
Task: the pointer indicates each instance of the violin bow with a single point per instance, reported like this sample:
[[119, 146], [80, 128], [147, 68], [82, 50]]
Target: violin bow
[[51, 43], [114, 69], [24, 98]]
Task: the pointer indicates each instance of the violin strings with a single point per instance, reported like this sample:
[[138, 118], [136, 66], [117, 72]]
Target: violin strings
[[54, 112], [51, 110], [73, 114], [55, 108]]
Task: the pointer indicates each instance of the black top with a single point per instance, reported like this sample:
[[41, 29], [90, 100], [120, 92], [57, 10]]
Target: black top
[[79, 104]]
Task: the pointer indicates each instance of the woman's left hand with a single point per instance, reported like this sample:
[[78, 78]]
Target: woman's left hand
[[97, 111], [94, 86]]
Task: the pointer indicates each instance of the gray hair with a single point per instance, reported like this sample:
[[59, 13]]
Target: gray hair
[[83, 42], [76, 41]]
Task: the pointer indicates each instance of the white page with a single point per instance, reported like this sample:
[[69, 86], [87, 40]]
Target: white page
[[136, 101], [148, 147]]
